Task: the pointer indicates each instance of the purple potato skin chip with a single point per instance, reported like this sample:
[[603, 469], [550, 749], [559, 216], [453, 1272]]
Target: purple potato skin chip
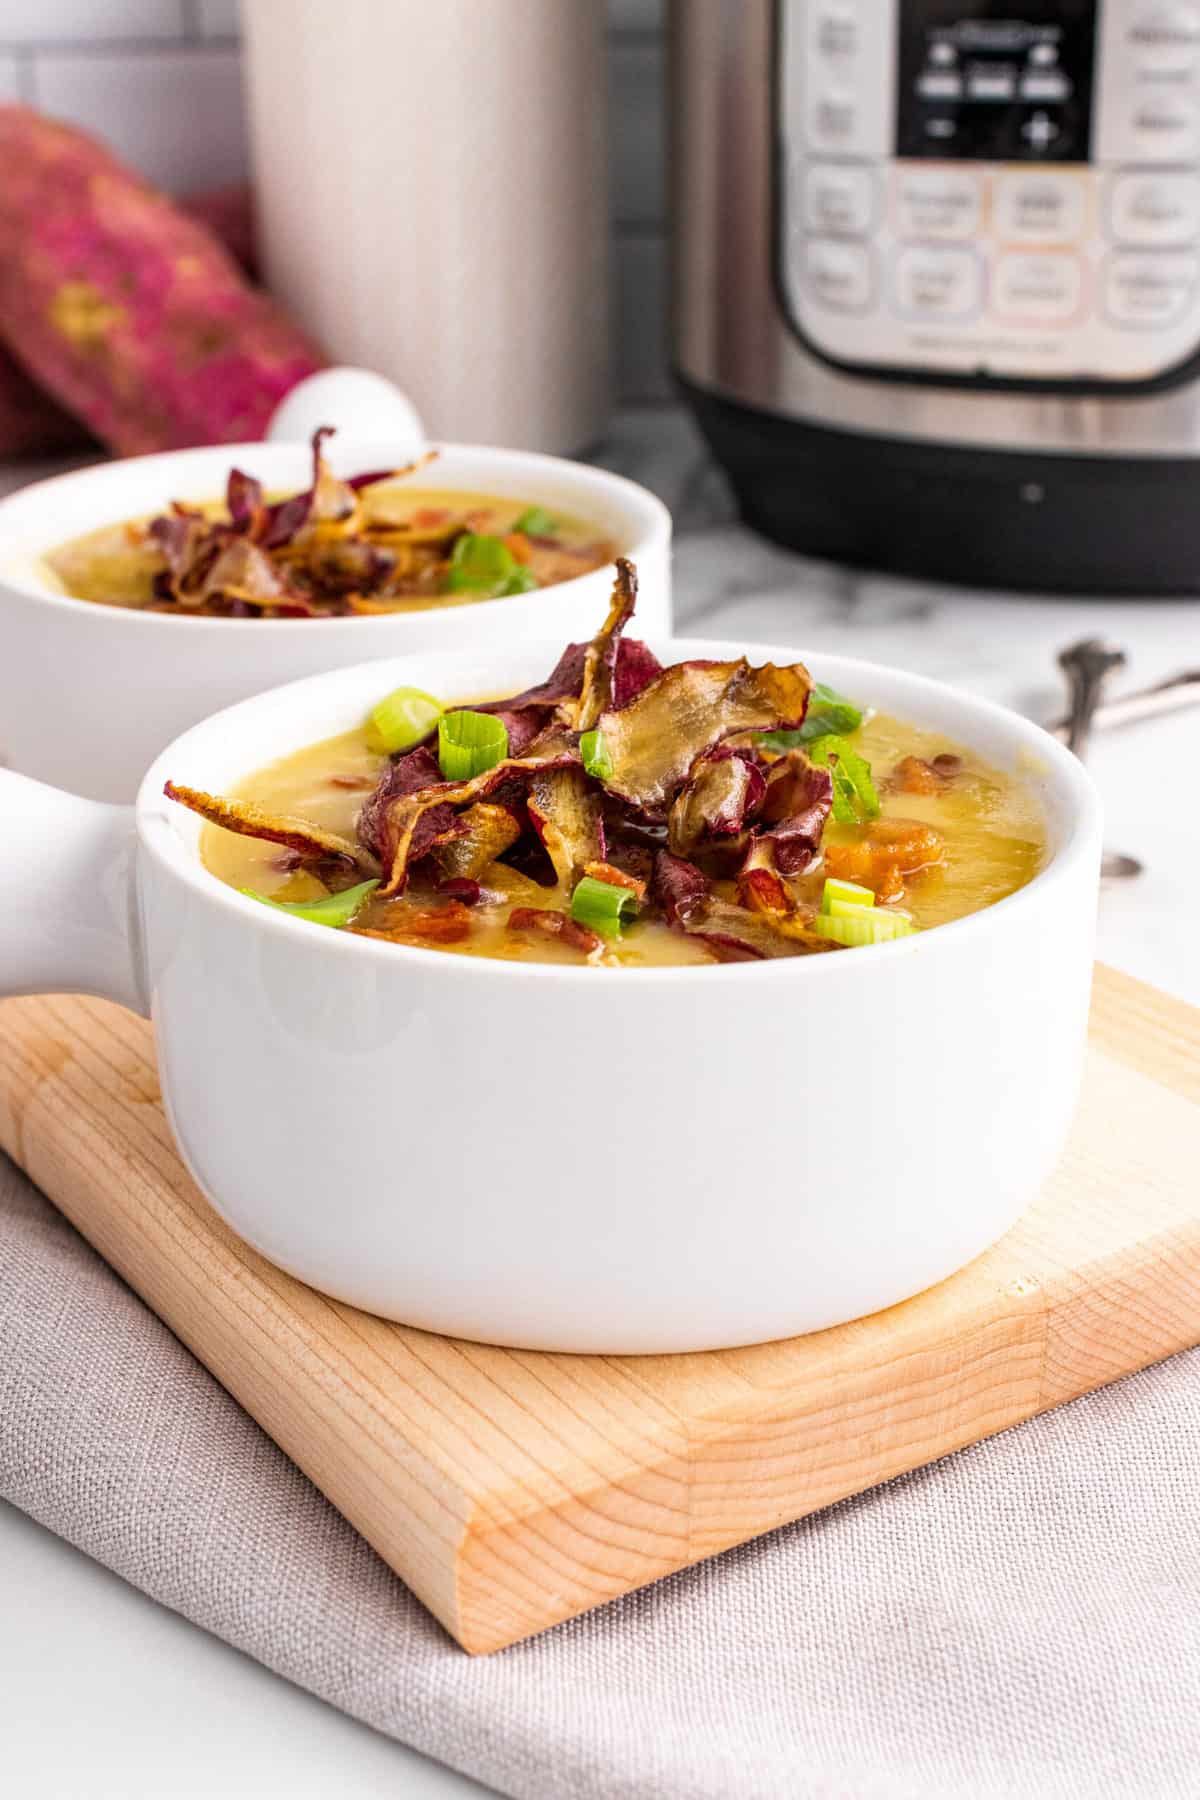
[[679, 888], [407, 774], [637, 666], [797, 804], [523, 726], [716, 801], [284, 520], [562, 683], [244, 499]]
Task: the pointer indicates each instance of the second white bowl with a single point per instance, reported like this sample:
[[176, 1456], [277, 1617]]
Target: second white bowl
[[89, 694]]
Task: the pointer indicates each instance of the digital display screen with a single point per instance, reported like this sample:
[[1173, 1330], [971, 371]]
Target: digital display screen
[[1003, 82]]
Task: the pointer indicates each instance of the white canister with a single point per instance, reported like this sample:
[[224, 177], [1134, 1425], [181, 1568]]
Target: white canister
[[432, 192]]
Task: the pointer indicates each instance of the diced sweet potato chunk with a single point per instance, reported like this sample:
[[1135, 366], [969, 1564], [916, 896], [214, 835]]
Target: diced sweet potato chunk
[[886, 852]]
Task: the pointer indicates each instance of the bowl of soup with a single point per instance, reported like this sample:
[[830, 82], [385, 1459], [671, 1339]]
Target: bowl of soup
[[629, 995], [136, 597]]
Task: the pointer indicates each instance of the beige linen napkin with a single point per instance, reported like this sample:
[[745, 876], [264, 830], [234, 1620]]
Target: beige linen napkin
[[1019, 1622]]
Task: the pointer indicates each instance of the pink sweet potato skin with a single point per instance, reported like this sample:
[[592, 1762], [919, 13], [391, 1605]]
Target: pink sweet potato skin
[[128, 312], [30, 422]]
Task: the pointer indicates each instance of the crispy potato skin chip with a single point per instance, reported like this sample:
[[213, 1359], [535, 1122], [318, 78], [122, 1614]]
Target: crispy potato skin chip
[[599, 668], [732, 933], [308, 841], [687, 710], [488, 831], [402, 816], [566, 812]]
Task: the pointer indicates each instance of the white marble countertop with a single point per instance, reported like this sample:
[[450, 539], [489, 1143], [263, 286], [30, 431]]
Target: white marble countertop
[[104, 1693]]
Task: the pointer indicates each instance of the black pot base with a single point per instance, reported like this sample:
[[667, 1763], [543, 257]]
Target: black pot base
[[980, 518]]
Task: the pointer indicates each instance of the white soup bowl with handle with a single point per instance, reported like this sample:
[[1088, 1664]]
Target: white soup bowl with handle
[[576, 1158]]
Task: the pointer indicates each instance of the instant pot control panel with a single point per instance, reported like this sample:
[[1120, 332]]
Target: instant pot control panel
[[1004, 190]]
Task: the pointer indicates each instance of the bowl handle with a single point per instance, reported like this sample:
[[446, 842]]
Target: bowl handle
[[67, 895], [364, 407]]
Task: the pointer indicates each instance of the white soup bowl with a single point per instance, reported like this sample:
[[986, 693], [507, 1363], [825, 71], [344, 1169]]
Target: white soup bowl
[[90, 693], [580, 1159]]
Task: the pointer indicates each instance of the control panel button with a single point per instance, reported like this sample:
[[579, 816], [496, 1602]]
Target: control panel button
[[835, 29], [1041, 132], [937, 285], [1045, 85], [839, 199], [1154, 209], [1153, 290], [940, 84], [1165, 38], [1039, 208], [839, 275], [1042, 286], [1164, 126], [938, 203], [832, 118], [992, 84]]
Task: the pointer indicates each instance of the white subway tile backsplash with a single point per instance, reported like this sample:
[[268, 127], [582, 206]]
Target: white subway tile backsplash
[[637, 100], [88, 21], [176, 116], [219, 18], [641, 316]]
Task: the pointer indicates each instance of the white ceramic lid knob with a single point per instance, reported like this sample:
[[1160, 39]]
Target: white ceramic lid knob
[[360, 404]]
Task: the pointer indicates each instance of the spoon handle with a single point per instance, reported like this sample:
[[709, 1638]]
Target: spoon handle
[[1175, 695], [1087, 667]]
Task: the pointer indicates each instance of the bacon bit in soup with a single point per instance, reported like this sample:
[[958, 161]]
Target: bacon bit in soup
[[762, 891], [604, 871], [914, 775], [557, 925], [457, 887], [448, 924]]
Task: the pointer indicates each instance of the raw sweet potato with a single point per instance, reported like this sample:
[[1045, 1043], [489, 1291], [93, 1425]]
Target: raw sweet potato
[[30, 422], [128, 312]]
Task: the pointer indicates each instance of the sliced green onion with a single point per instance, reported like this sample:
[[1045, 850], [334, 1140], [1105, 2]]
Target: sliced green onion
[[603, 905], [469, 743], [335, 910], [535, 521], [594, 752], [401, 720], [837, 894], [854, 797], [858, 926], [829, 714], [521, 581], [480, 565]]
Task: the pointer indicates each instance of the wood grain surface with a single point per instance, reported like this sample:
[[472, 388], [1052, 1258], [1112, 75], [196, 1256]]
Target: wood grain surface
[[512, 1490]]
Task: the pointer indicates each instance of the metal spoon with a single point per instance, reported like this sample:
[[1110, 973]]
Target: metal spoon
[[1175, 694], [1087, 667]]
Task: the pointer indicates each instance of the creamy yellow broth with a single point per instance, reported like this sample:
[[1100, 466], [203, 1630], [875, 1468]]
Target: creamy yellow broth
[[991, 823], [116, 565]]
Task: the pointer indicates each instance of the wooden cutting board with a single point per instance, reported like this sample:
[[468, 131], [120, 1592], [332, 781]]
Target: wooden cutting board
[[511, 1490]]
